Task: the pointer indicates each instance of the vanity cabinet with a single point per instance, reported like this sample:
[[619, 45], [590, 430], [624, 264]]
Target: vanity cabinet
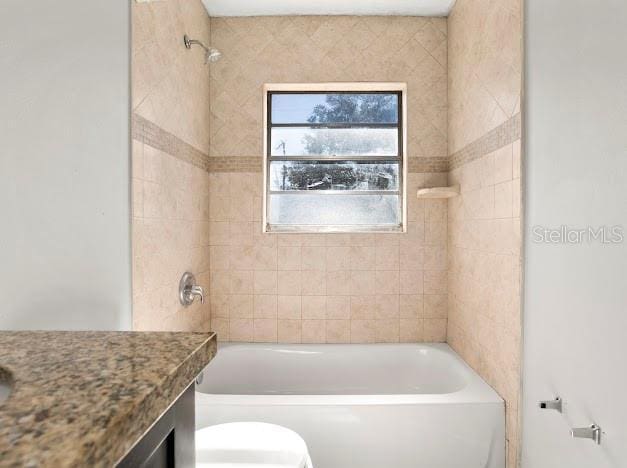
[[170, 442]]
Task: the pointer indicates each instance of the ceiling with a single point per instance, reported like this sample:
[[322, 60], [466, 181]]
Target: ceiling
[[328, 7]]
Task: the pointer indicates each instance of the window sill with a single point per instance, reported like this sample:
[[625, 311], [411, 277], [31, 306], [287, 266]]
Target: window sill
[[294, 229]]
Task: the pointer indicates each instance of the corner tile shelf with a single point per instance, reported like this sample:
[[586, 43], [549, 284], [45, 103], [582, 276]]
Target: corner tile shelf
[[439, 192]]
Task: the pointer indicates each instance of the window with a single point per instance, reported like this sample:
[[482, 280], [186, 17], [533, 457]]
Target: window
[[334, 158]]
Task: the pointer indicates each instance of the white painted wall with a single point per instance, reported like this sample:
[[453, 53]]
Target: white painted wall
[[575, 331], [64, 164]]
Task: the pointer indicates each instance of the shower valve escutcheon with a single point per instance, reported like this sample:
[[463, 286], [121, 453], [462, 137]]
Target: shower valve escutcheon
[[188, 290], [591, 432]]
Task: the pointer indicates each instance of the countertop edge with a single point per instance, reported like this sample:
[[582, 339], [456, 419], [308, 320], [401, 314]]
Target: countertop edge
[[110, 447]]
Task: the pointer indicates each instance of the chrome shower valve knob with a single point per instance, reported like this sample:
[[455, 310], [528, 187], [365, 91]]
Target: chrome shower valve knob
[[188, 290]]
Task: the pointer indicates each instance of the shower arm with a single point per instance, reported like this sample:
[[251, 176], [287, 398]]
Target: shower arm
[[190, 42], [211, 54]]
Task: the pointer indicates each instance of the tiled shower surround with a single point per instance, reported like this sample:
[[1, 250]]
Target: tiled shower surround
[[170, 178], [484, 223], [197, 162], [335, 288]]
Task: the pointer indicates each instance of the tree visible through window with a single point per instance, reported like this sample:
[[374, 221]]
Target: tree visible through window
[[334, 161]]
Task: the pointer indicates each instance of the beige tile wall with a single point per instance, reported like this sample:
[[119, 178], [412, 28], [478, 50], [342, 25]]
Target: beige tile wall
[[484, 69], [170, 194], [170, 236], [325, 288], [170, 84], [484, 274], [317, 288], [277, 49], [484, 247]]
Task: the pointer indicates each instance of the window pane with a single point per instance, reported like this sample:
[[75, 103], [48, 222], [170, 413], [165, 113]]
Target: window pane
[[340, 175], [334, 210], [334, 141], [334, 108]]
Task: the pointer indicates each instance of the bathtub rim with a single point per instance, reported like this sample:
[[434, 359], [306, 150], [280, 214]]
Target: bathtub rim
[[477, 391]]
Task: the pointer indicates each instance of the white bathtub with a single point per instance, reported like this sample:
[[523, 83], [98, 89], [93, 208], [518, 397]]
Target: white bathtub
[[361, 406]]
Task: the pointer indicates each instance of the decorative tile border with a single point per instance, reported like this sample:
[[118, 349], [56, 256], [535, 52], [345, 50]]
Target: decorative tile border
[[151, 134], [235, 164], [422, 165], [502, 135]]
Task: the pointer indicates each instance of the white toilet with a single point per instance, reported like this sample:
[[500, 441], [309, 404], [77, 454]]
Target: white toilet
[[250, 445]]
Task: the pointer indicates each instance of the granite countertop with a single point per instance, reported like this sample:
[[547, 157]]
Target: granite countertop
[[85, 398]]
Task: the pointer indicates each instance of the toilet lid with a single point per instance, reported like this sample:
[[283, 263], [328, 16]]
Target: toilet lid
[[250, 444]]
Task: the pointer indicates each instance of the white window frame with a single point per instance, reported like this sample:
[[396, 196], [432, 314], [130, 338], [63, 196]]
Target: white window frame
[[338, 87]]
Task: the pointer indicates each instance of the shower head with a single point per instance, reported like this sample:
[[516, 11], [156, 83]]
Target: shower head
[[211, 54]]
